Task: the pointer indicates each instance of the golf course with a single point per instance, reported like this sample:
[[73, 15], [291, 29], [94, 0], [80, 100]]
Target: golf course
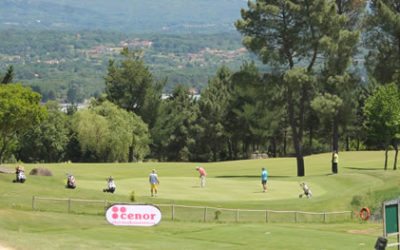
[[50, 224]]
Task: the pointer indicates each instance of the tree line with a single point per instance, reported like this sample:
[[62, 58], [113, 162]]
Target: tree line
[[308, 99]]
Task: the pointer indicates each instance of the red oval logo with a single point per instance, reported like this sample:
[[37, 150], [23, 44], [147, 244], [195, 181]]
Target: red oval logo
[[133, 215]]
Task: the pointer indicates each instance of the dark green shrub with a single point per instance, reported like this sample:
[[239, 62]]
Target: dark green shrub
[[132, 197]]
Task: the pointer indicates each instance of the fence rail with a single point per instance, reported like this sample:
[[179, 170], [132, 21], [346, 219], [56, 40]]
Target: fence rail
[[194, 213]]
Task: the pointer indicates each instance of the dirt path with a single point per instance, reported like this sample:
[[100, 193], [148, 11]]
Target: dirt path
[[4, 248]]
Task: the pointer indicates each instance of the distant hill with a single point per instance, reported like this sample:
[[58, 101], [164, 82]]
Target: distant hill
[[133, 16]]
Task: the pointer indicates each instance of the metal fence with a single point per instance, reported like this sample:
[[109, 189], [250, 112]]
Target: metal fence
[[175, 212]]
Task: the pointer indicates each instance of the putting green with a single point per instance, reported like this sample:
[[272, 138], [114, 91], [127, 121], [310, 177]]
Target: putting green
[[217, 189]]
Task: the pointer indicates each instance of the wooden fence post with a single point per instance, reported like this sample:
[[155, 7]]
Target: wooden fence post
[[33, 203], [105, 205], [298, 215], [69, 205]]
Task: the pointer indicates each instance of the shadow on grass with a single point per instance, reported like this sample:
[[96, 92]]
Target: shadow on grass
[[237, 176], [251, 176], [328, 174], [360, 168], [279, 176]]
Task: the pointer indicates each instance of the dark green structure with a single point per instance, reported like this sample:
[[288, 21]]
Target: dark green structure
[[391, 219]]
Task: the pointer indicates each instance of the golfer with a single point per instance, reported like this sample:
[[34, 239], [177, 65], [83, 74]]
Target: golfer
[[335, 162], [203, 175], [153, 179], [264, 179]]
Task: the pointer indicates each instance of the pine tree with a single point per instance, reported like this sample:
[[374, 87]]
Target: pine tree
[[383, 40], [173, 130], [9, 76], [131, 86], [211, 134], [287, 36], [335, 102]]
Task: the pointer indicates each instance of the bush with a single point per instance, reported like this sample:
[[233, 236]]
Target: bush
[[356, 201], [41, 172], [132, 197], [217, 214]]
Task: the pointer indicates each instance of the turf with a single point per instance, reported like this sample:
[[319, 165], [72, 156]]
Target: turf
[[361, 182], [58, 231]]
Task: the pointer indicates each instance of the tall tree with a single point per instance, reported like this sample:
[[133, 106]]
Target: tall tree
[[338, 82], [382, 111], [20, 110], [340, 48], [130, 85], [383, 40], [106, 133], [353, 10], [74, 93], [173, 133], [48, 140], [9, 76], [211, 137], [253, 114], [124, 124], [287, 34]]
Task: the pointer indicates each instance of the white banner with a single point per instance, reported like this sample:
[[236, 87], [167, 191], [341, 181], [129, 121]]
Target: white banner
[[133, 215]]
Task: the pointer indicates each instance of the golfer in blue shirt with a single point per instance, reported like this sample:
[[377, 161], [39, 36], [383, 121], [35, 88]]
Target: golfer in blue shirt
[[264, 179]]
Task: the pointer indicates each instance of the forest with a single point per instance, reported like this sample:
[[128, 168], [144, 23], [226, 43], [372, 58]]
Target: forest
[[56, 63], [303, 92]]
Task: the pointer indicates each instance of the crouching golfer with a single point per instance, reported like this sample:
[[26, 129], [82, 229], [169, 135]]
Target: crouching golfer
[[110, 185], [306, 190], [71, 183], [153, 179], [20, 174]]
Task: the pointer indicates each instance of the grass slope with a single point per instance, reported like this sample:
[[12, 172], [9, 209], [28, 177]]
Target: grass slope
[[229, 184], [27, 230]]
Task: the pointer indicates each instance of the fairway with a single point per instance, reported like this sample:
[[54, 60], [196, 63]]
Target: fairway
[[217, 189]]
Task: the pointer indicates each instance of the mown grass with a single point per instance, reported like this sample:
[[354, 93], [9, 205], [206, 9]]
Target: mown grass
[[361, 182], [27, 230]]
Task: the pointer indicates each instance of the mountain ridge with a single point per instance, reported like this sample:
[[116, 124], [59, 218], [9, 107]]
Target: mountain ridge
[[133, 16]]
